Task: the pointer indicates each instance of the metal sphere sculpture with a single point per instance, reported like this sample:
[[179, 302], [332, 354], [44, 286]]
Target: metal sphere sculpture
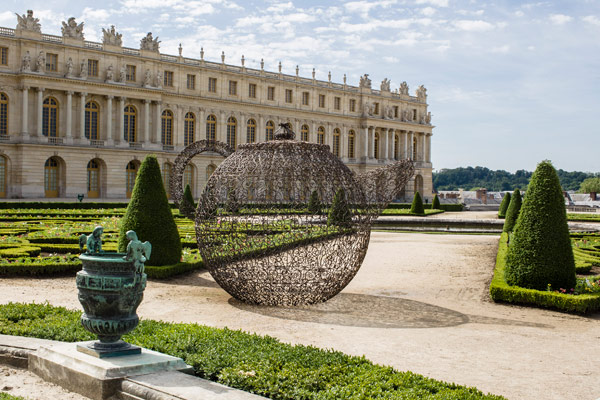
[[264, 243]]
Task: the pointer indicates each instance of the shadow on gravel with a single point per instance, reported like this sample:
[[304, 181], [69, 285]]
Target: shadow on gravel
[[368, 311]]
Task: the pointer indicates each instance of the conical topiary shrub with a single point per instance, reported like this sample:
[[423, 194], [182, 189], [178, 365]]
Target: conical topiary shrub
[[504, 205], [435, 204], [339, 213], [187, 206], [417, 205], [314, 205], [512, 213], [540, 252], [149, 215]]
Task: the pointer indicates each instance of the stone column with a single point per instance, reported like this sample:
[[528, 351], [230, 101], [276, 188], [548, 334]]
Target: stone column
[[392, 142], [178, 126], [25, 117], [428, 153], [40, 110], [121, 122], [82, 116], [404, 145], [200, 133], [221, 128], [344, 143], [147, 121], [241, 133], [384, 137], [260, 129], [372, 133], [109, 132], [365, 141], [157, 114], [411, 143], [69, 119]]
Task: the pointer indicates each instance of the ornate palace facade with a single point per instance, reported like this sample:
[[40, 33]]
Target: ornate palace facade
[[77, 117]]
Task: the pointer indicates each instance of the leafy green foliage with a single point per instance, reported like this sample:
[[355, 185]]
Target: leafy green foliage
[[314, 204], [417, 205], [149, 215], [258, 364], [187, 207], [435, 204], [590, 185], [540, 250], [504, 205], [6, 396], [339, 213], [512, 213]]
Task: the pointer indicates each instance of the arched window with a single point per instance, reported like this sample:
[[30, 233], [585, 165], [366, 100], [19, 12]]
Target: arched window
[[189, 128], [321, 135], [336, 142], [167, 169], [51, 176], [167, 128], [211, 128], [129, 124], [351, 143], [304, 133], [3, 169], [3, 114], [50, 117], [209, 170], [376, 146], [91, 120], [396, 146], [131, 172], [188, 176], [269, 130], [93, 179], [415, 150], [251, 131], [231, 128]]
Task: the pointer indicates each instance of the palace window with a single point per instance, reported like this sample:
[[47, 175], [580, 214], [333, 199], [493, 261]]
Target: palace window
[[271, 93], [251, 131], [212, 85], [233, 88], [321, 135], [130, 173], [376, 146], [130, 73], [305, 98], [167, 128], [129, 124], [288, 95], [336, 142], [51, 62], [395, 111], [168, 79], [231, 128], [189, 128], [252, 90], [322, 100], [50, 117], [414, 114], [351, 141], [91, 120], [376, 111], [3, 114], [352, 105], [304, 133], [211, 128], [167, 172], [337, 103], [191, 82], [269, 130], [51, 177], [92, 67], [93, 179], [3, 55]]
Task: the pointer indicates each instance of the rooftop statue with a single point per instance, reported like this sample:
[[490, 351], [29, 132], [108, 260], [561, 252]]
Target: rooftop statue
[[112, 37], [404, 88], [385, 85], [27, 22], [71, 29], [148, 43], [365, 82], [421, 93]]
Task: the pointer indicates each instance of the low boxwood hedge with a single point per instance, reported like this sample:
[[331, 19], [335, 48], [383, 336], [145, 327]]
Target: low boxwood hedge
[[445, 207], [6, 396], [257, 364], [500, 291]]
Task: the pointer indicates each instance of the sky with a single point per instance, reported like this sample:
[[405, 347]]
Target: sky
[[509, 83]]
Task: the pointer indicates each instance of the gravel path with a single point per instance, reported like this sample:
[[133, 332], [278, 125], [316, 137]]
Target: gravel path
[[418, 303]]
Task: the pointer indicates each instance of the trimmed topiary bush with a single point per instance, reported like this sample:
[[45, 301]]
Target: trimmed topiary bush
[[435, 204], [187, 203], [314, 205], [417, 205], [339, 213], [149, 215], [504, 205], [512, 213], [540, 252]]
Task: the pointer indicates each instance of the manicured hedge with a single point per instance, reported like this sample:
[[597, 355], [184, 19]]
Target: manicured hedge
[[257, 364], [502, 291], [445, 207], [66, 205]]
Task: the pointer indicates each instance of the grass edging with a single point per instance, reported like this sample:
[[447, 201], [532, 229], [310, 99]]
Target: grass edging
[[500, 291]]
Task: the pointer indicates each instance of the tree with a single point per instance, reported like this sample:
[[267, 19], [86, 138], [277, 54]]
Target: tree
[[187, 206], [150, 216], [417, 205], [504, 205], [314, 205], [512, 213], [590, 185], [435, 204], [540, 252], [339, 213]]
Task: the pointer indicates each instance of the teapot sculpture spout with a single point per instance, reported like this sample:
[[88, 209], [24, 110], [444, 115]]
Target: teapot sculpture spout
[[382, 185]]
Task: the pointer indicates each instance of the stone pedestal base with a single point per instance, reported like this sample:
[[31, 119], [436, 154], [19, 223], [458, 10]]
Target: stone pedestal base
[[93, 377]]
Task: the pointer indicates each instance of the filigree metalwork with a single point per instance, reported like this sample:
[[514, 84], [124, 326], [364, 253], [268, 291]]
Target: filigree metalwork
[[256, 235]]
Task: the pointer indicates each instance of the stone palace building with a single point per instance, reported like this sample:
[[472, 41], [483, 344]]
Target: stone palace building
[[77, 117]]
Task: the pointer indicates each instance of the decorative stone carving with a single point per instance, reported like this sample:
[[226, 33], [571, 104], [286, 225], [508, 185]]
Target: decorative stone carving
[[385, 85], [71, 29], [112, 37], [147, 78], [40, 65], [158, 81], [83, 69], [148, 43], [406, 116], [421, 93], [365, 82], [110, 74], [428, 118], [27, 22], [69, 68], [123, 74], [389, 112], [137, 252], [26, 63], [404, 88], [368, 109]]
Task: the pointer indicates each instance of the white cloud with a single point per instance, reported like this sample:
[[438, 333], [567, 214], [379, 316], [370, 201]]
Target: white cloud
[[391, 60], [473, 25], [97, 15], [437, 3], [560, 19], [476, 13], [8, 18], [428, 11], [363, 7], [519, 13], [501, 49], [591, 19], [280, 7]]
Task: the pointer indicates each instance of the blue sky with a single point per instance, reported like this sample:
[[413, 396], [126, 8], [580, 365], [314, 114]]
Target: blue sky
[[509, 83]]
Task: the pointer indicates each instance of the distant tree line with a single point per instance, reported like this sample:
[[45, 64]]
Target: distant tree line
[[472, 178]]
